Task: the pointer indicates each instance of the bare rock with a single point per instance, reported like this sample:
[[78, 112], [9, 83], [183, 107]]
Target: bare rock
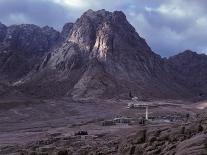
[[66, 30], [195, 145], [23, 47]]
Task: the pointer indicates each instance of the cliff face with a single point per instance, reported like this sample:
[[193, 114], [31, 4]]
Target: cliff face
[[22, 47], [100, 55], [190, 70]]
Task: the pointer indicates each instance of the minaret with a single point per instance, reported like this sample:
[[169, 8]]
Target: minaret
[[146, 117]]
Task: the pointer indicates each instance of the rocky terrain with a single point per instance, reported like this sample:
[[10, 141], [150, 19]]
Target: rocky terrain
[[22, 48], [189, 71], [50, 127], [54, 84], [100, 55]]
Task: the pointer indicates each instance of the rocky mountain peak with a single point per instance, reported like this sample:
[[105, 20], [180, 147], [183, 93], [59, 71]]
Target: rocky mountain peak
[[186, 53], [104, 14], [22, 48], [189, 52], [102, 53], [103, 34], [97, 15], [2, 31], [66, 30], [189, 70], [31, 38], [186, 57]]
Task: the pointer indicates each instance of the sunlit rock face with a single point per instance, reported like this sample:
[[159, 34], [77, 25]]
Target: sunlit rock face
[[107, 37], [102, 33]]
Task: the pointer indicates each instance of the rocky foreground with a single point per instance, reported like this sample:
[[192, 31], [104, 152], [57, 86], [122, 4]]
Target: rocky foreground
[[186, 139], [82, 131]]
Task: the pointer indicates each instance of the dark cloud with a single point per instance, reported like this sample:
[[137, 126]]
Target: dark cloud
[[173, 26], [168, 26], [38, 12]]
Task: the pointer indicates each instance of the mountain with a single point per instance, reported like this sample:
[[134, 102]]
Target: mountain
[[22, 48], [100, 55], [190, 70], [103, 55]]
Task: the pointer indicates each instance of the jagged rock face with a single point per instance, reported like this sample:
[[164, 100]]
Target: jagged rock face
[[30, 38], [21, 48], [103, 55], [189, 70], [190, 138], [66, 30], [103, 34], [2, 32], [52, 36]]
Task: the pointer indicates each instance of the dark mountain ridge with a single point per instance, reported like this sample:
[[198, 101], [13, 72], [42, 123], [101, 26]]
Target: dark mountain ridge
[[190, 70], [22, 47]]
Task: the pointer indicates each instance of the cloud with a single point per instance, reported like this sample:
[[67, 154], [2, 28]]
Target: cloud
[[40, 12], [168, 26], [173, 26], [73, 3]]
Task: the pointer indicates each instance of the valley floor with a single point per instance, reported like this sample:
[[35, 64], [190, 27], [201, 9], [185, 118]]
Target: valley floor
[[49, 126]]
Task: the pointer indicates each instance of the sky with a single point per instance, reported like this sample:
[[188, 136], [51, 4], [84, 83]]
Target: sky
[[168, 26]]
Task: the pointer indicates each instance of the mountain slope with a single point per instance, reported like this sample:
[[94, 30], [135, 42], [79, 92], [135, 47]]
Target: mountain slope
[[22, 47], [190, 70], [103, 56]]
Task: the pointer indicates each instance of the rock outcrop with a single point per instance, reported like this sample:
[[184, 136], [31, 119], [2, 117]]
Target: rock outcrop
[[185, 139], [3, 29], [189, 70], [22, 47], [66, 30]]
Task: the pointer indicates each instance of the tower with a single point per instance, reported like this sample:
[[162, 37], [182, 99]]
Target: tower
[[146, 117]]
